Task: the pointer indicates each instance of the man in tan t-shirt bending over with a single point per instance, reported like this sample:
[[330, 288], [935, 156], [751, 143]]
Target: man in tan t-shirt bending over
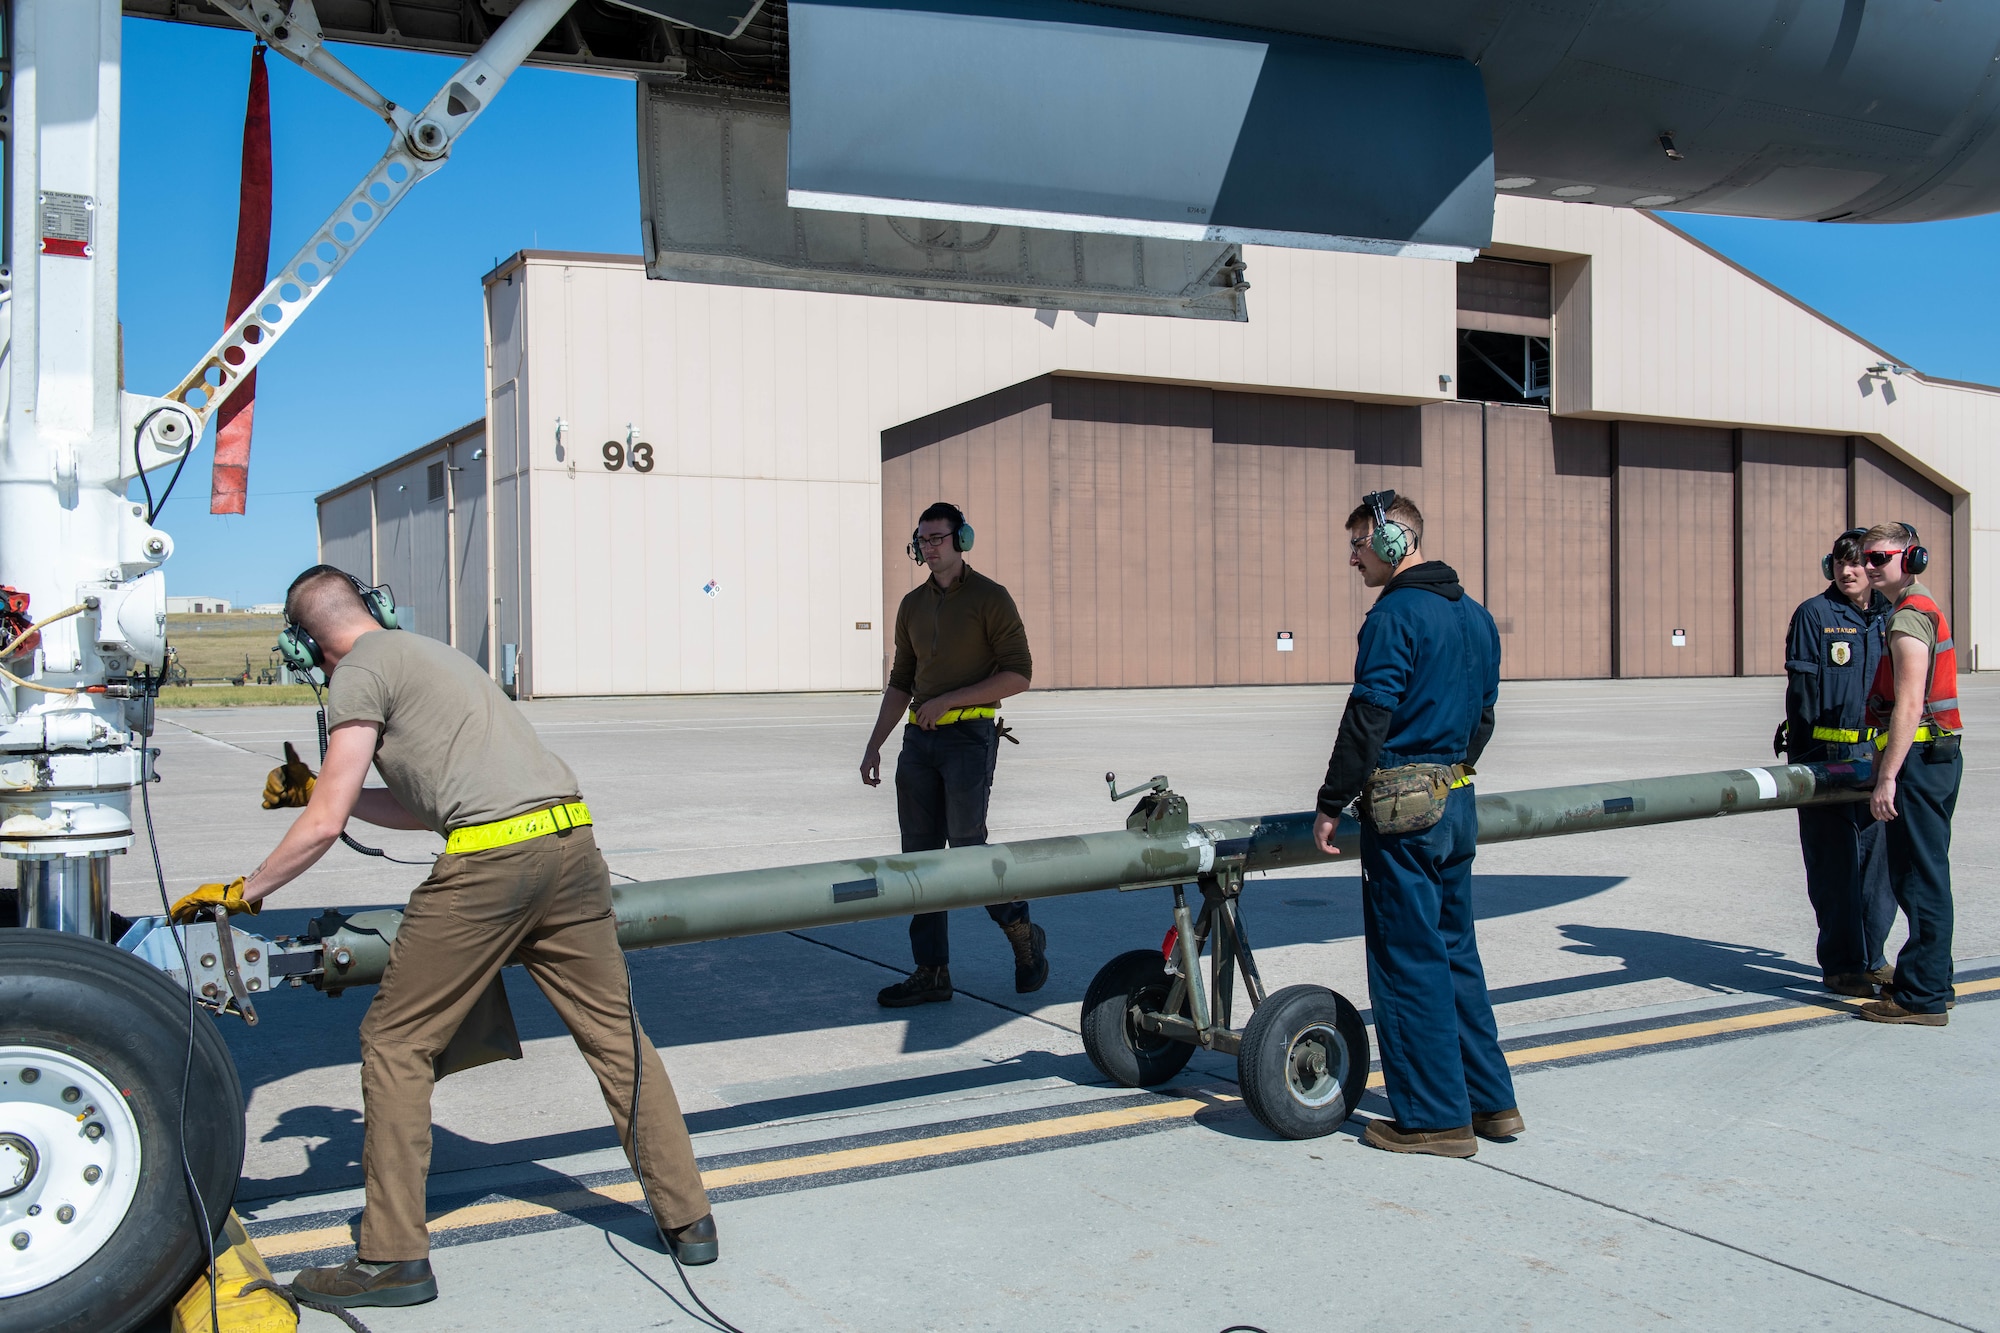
[[521, 879]]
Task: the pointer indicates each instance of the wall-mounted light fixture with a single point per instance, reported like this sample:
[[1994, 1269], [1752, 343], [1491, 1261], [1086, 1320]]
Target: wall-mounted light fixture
[[1444, 384], [1884, 368], [1667, 145]]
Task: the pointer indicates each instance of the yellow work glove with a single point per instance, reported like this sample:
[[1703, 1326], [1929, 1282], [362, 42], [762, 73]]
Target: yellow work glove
[[290, 784], [228, 897]]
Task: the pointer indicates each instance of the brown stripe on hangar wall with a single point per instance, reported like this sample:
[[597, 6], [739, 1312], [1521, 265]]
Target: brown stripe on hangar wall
[[1165, 535], [1548, 511], [1794, 502]]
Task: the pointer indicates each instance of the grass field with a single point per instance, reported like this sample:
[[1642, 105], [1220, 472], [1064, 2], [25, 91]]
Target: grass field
[[233, 696], [214, 648]]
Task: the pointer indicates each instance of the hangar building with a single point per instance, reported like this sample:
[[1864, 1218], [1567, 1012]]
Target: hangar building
[[1633, 450]]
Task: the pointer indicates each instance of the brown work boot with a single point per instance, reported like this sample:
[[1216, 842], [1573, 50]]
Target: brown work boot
[[1888, 1011], [1031, 955], [1860, 984], [1505, 1124], [926, 985], [1882, 975], [693, 1244], [357, 1283], [1391, 1137]]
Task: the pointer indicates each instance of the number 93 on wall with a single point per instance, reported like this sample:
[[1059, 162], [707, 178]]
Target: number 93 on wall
[[617, 456]]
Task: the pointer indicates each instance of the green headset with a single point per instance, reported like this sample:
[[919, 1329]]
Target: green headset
[[961, 535], [301, 652], [1390, 540]]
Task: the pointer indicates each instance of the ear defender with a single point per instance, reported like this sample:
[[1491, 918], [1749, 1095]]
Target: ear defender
[[1916, 556], [298, 649], [301, 652], [1390, 540], [1826, 561], [961, 540]]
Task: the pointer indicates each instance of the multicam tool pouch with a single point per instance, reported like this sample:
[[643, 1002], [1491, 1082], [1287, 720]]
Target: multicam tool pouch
[[1409, 799]]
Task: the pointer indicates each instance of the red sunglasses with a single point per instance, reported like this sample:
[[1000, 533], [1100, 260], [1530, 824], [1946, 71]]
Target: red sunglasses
[[1877, 559]]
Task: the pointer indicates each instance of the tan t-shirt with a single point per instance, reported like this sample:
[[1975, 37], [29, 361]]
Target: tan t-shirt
[[455, 750], [1908, 620]]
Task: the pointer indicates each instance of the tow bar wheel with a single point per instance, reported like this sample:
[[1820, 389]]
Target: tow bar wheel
[[1122, 1052], [69, 1165], [97, 1230], [1303, 1062]]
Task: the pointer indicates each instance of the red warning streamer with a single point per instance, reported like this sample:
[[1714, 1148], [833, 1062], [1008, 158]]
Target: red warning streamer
[[253, 262]]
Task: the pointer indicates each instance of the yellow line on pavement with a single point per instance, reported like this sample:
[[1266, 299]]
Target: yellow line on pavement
[[787, 1168], [1626, 1041], [1182, 1107]]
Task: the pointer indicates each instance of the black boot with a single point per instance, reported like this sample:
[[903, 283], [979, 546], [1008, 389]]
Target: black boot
[[694, 1243], [1031, 955], [926, 985]]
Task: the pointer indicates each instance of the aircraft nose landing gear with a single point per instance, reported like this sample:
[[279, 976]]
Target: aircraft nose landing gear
[[1302, 1059]]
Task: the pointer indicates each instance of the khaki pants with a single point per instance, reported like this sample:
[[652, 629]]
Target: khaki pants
[[547, 904]]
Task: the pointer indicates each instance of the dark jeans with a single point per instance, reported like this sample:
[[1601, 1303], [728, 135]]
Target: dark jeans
[[1919, 840], [1441, 1057], [943, 780], [1847, 879]]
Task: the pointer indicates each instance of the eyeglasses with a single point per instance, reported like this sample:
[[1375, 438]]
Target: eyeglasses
[[1877, 559], [1356, 543], [932, 539]]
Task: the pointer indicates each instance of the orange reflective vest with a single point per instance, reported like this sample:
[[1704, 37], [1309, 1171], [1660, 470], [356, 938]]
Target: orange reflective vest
[[1940, 689]]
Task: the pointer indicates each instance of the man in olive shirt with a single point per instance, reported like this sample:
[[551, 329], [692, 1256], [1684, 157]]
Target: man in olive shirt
[[521, 880], [960, 649]]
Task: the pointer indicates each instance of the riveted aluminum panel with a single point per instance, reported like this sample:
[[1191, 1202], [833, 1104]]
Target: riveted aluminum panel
[[1048, 113]]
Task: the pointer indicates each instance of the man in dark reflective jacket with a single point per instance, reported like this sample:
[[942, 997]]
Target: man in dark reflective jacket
[[1425, 682], [1831, 651]]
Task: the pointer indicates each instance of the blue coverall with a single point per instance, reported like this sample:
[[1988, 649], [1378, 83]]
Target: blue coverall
[[1831, 652], [1425, 682]]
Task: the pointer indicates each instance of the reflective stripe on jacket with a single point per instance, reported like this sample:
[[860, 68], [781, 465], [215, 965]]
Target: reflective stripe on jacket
[[1940, 688]]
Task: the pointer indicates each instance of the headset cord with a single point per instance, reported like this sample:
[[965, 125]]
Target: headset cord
[[639, 1165], [195, 1201], [363, 848]]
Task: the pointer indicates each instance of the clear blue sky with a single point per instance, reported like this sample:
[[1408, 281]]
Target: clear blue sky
[[391, 355]]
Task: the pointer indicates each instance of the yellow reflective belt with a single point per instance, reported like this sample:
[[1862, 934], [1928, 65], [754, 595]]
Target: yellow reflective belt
[[960, 714], [1837, 734], [1465, 774], [1926, 732], [506, 832]]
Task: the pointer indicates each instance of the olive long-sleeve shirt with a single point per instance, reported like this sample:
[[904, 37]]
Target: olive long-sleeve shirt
[[947, 640]]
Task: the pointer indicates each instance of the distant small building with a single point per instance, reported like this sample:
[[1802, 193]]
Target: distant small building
[[267, 609], [196, 606]]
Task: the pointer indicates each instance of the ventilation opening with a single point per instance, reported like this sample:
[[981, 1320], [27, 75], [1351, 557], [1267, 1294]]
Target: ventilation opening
[[1503, 367], [434, 481]]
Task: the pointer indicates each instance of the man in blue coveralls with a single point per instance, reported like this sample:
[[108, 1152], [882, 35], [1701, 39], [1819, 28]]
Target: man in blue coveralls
[[1425, 682], [1832, 651]]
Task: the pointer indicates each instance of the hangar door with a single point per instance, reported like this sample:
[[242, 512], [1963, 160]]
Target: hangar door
[[1171, 535], [1167, 535]]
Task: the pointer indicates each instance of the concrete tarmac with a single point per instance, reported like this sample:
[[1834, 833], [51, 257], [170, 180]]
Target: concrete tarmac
[[1711, 1139]]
